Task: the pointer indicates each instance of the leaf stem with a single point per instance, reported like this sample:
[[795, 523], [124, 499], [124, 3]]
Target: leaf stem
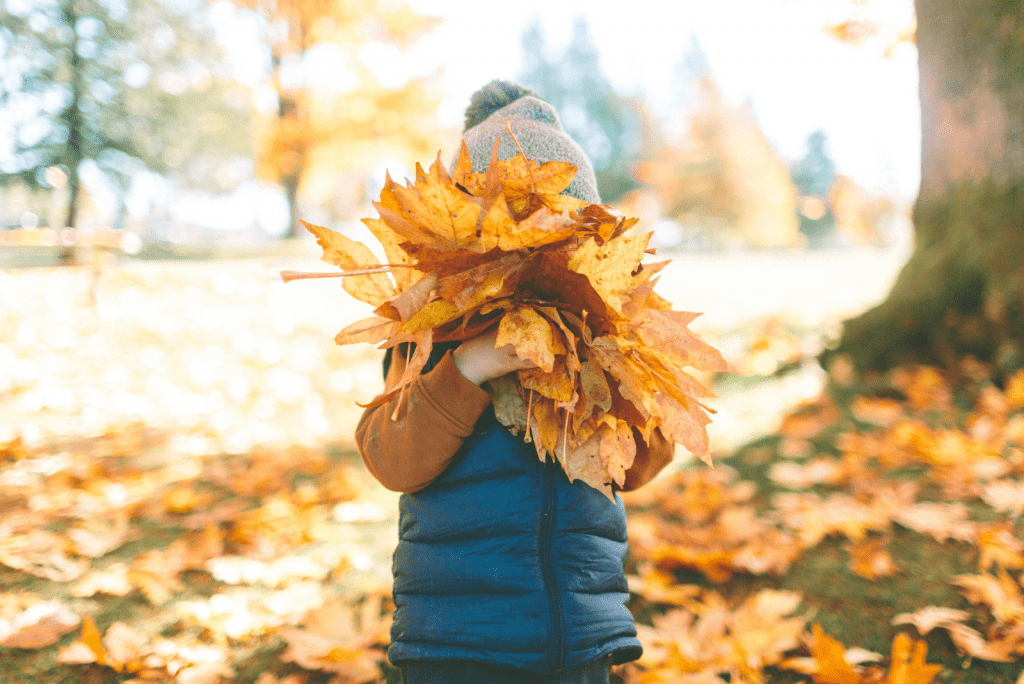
[[288, 276], [529, 409], [565, 435], [529, 168]]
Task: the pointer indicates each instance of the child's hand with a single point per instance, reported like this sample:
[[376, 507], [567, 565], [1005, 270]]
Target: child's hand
[[479, 361]]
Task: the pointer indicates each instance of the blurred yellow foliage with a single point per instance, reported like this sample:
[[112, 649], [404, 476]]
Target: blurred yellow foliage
[[316, 132], [724, 178]]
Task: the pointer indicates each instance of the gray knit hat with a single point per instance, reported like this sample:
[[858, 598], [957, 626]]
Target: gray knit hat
[[537, 128]]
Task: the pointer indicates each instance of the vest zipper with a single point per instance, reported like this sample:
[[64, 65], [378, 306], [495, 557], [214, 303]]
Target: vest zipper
[[548, 567]]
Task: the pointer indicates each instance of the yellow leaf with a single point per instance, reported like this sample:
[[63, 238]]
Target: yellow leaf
[[555, 384], [542, 227], [530, 333], [830, 657], [391, 243], [350, 255], [618, 449], [545, 426], [908, 666], [595, 392], [584, 463], [463, 174], [432, 315], [496, 225], [609, 267], [1015, 391], [666, 331], [999, 547], [870, 560], [928, 618], [435, 205], [91, 638]]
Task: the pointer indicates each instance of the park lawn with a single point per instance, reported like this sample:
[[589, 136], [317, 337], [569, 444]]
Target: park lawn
[[176, 466]]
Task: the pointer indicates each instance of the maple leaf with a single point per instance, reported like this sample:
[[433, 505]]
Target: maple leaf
[[1000, 593], [112, 580], [830, 658], [564, 284], [928, 618], [348, 254], [530, 333], [907, 662], [942, 521], [38, 625], [870, 559], [1005, 495], [340, 638], [41, 553], [96, 537], [999, 547], [609, 266]]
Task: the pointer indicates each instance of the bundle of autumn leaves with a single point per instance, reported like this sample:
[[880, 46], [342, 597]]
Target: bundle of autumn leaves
[[564, 283]]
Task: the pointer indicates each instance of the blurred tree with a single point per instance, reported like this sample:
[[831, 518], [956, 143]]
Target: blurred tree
[[962, 291], [124, 86], [688, 74], [607, 126], [815, 172], [722, 179], [814, 175], [861, 216], [357, 121], [538, 72]]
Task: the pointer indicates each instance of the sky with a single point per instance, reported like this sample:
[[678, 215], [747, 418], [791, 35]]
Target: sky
[[773, 52]]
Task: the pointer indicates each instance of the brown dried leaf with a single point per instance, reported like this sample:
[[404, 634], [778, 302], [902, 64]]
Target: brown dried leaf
[[870, 559], [404, 306], [373, 330], [928, 618], [39, 625]]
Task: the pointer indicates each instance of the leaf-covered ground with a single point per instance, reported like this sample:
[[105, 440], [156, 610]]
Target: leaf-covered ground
[[181, 503]]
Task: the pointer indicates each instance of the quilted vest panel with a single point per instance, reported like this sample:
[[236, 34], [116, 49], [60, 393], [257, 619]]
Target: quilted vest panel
[[502, 560]]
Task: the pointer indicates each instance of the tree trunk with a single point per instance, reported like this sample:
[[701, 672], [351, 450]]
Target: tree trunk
[[290, 183], [67, 254], [291, 162], [962, 291]]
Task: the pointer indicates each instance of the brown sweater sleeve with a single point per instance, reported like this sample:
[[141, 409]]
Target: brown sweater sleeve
[[436, 413]]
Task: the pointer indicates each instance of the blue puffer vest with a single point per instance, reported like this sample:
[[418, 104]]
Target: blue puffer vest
[[502, 560]]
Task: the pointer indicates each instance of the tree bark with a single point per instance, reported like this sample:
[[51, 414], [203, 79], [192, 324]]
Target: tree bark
[[962, 291], [292, 162], [68, 254], [290, 183]]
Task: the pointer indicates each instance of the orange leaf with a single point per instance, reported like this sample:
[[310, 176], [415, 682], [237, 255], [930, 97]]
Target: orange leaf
[[830, 657], [530, 333], [908, 666], [91, 638], [443, 210], [609, 267]]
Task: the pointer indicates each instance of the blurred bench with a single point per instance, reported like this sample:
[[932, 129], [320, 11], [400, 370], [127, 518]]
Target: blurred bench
[[21, 247]]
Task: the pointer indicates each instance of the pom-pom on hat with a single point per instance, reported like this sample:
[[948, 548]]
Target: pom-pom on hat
[[537, 128]]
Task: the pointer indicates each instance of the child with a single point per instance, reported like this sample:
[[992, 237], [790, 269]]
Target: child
[[505, 571]]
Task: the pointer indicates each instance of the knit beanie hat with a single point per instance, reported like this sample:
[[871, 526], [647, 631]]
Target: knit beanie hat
[[537, 128]]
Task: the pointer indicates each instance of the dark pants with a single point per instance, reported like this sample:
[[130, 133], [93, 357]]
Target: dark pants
[[463, 672]]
